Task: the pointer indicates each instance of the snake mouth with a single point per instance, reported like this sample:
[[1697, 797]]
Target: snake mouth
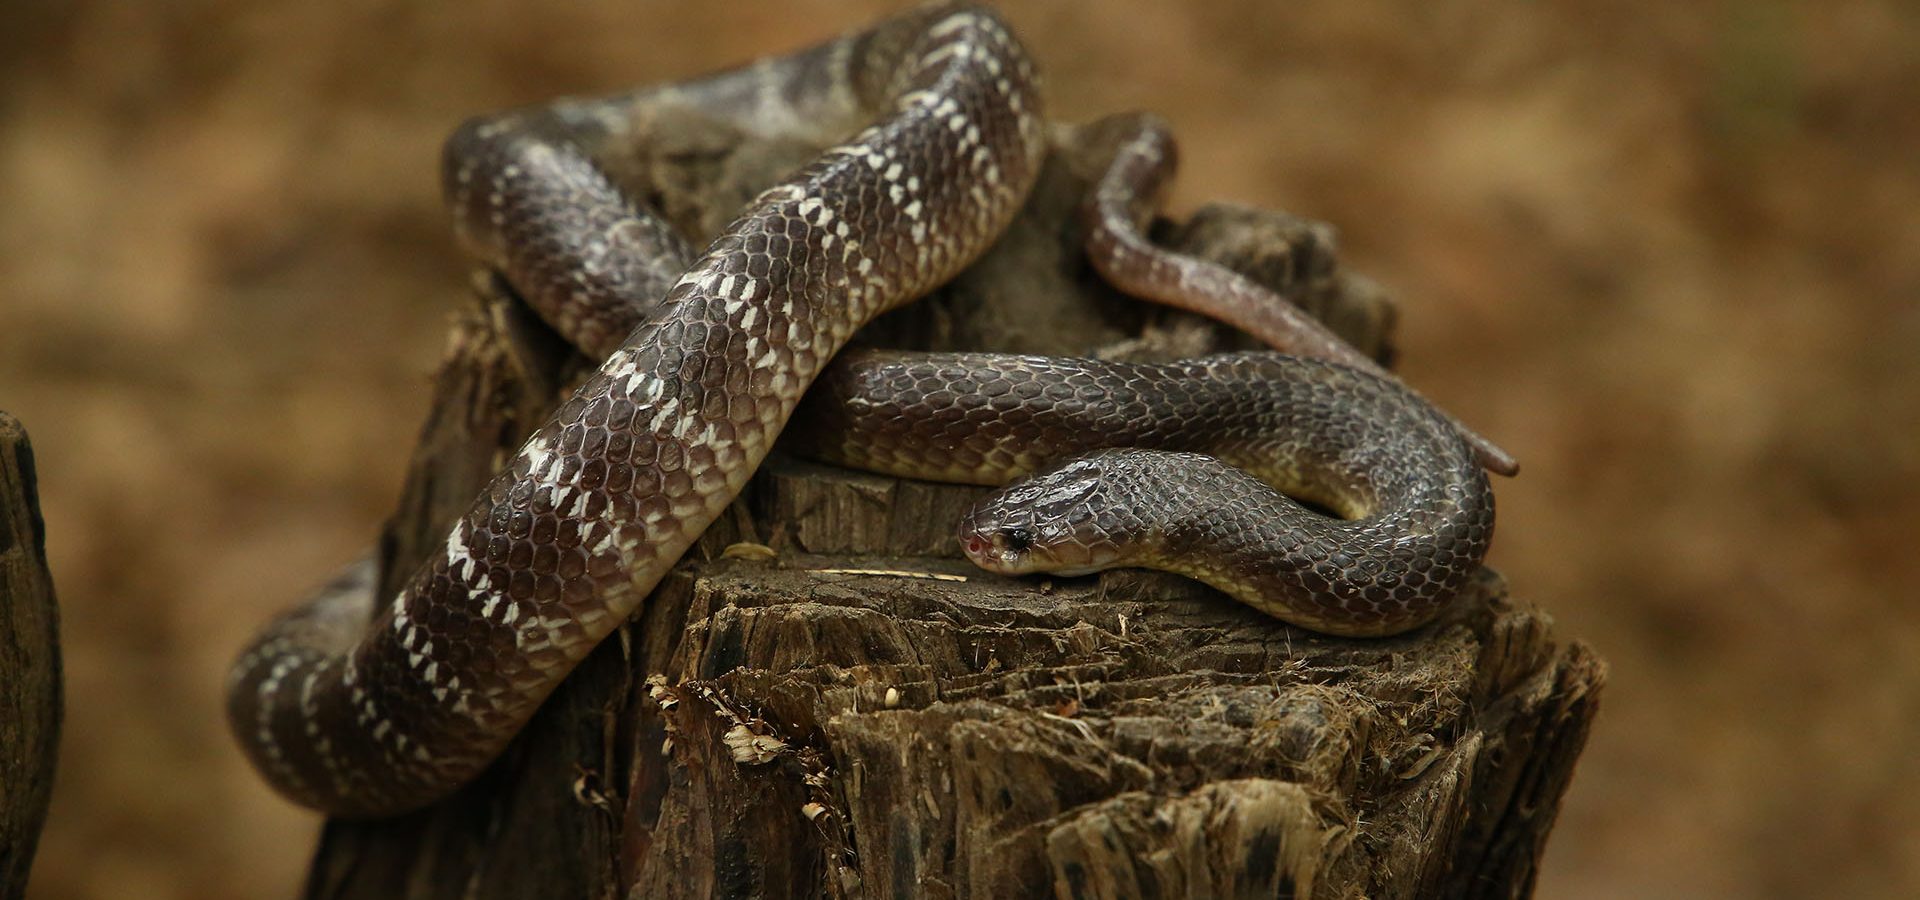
[[990, 550], [1006, 549], [1015, 550]]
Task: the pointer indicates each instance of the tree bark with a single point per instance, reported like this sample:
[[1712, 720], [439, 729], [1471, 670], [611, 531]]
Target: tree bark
[[30, 693], [823, 700]]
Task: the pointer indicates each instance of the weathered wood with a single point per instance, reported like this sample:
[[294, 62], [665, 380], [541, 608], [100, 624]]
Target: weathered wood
[[823, 701], [30, 691]]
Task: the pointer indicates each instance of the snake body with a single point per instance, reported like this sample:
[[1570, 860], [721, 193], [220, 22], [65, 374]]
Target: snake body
[[1413, 514], [1123, 201], [606, 496], [708, 355]]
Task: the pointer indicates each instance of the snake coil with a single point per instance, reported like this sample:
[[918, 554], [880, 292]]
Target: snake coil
[[365, 709]]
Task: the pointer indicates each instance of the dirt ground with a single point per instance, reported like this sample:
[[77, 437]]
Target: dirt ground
[[1668, 253]]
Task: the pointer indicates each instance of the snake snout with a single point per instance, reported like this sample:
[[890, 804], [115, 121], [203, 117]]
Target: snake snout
[[996, 546], [1001, 537], [1013, 534]]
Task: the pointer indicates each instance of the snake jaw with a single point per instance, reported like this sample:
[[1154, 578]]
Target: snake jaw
[[991, 550], [1015, 550], [997, 544], [1007, 537]]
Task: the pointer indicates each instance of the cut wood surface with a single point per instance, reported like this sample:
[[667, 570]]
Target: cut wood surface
[[823, 700], [30, 693]]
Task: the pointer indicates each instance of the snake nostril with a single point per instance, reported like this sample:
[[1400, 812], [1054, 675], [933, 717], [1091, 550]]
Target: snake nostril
[[974, 544]]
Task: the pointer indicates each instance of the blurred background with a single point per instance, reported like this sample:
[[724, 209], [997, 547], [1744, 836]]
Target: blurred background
[[1668, 253]]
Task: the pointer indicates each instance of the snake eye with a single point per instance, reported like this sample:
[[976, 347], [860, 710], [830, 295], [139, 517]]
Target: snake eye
[[1017, 538]]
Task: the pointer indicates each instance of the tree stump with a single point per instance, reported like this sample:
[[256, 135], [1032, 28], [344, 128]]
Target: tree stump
[[824, 700], [30, 694]]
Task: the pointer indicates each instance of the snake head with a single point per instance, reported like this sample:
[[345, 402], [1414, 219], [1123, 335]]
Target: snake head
[[1051, 522]]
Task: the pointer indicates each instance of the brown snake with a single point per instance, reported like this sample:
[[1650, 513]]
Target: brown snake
[[364, 719]]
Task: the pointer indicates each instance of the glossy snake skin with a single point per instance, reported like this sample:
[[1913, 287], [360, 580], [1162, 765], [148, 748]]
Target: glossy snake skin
[[364, 719], [1415, 511], [606, 496]]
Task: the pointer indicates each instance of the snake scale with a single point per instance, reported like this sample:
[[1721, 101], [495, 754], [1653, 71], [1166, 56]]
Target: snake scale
[[362, 708]]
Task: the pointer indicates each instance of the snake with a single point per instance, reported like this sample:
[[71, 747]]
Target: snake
[[363, 707]]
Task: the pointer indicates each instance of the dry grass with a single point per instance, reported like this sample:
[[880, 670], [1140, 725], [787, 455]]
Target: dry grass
[[1669, 253]]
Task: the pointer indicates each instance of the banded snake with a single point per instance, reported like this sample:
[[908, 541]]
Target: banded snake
[[364, 709]]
